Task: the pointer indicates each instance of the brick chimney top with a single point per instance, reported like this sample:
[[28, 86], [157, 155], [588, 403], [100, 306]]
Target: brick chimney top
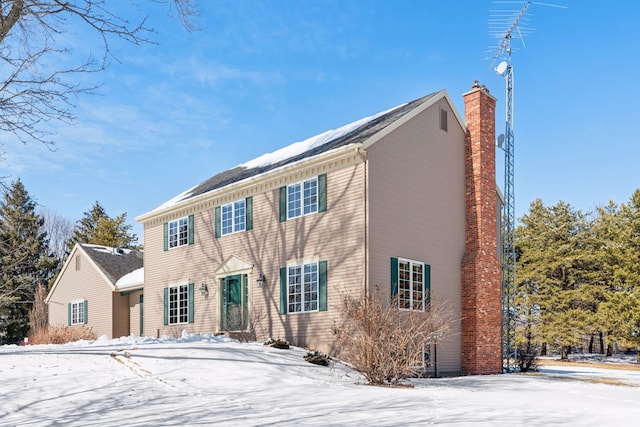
[[478, 87]]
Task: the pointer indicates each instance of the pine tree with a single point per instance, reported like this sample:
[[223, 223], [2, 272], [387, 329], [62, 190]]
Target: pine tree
[[556, 301], [25, 261], [619, 238], [98, 228]]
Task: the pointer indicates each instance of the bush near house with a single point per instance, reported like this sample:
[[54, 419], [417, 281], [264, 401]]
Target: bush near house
[[384, 343]]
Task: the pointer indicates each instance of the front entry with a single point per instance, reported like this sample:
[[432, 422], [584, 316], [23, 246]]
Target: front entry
[[234, 302]]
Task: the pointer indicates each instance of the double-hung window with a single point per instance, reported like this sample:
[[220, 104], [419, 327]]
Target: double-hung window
[[178, 302], [178, 232], [234, 217], [303, 198], [77, 312], [410, 284], [303, 287]]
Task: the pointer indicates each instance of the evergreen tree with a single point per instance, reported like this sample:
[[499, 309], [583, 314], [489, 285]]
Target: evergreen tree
[[555, 268], [619, 239], [98, 228], [24, 260]]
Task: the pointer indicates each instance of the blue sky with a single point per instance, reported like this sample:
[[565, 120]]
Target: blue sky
[[260, 75]]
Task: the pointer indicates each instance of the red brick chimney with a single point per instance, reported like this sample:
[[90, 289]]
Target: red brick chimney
[[481, 274]]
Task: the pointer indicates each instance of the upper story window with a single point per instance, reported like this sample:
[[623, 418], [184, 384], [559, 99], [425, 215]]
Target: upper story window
[[234, 217], [410, 284], [78, 262], [178, 232], [303, 198]]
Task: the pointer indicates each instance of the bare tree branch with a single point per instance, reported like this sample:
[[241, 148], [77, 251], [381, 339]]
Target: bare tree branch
[[34, 92]]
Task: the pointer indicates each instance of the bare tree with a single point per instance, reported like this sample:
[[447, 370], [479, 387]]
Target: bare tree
[[34, 87], [59, 230], [39, 312]]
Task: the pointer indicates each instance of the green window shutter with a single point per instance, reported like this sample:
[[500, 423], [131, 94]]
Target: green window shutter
[[166, 306], [190, 231], [322, 286], [191, 292], [283, 203], [86, 311], [217, 220], [322, 192], [394, 277], [427, 284], [69, 313], [248, 210], [166, 236], [283, 290]]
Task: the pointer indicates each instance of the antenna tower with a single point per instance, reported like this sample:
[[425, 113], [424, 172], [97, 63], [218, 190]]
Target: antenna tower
[[504, 24], [506, 142]]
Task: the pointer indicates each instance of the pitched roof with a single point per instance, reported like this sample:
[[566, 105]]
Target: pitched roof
[[113, 262], [357, 132]]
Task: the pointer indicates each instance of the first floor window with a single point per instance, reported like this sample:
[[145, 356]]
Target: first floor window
[[77, 315], [410, 283], [178, 304], [303, 287]]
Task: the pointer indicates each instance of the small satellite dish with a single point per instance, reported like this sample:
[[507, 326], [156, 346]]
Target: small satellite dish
[[501, 68], [500, 140]]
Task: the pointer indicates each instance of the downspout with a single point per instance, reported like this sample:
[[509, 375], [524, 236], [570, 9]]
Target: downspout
[[363, 156]]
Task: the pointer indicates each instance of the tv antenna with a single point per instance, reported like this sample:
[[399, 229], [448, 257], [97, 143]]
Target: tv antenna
[[504, 25]]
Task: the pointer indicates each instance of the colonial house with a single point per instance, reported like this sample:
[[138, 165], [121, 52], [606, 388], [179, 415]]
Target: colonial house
[[405, 200], [100, 287]]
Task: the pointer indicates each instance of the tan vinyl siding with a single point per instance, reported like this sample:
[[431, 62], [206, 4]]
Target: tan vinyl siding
[[134, 312], [120, 315], [416, 210], [336, 236], [83, 284]]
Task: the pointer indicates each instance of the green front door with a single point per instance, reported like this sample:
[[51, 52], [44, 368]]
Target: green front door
[[234, 302]]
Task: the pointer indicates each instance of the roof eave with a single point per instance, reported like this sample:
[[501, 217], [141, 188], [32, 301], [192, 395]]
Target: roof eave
[[274, 174]]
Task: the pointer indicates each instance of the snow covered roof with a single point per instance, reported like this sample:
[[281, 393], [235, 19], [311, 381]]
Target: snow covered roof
[[131, 280], [114, 262], [353, 133]]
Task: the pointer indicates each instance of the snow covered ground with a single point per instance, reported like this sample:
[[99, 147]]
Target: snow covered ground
[[205, 380]]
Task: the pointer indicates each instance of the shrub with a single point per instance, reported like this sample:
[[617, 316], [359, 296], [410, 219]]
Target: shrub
[[384, 343], [527, 359], [62, 334], [317, 358], [277, 343]]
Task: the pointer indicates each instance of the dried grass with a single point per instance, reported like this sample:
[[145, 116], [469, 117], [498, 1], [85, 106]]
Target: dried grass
[[62, 334]]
